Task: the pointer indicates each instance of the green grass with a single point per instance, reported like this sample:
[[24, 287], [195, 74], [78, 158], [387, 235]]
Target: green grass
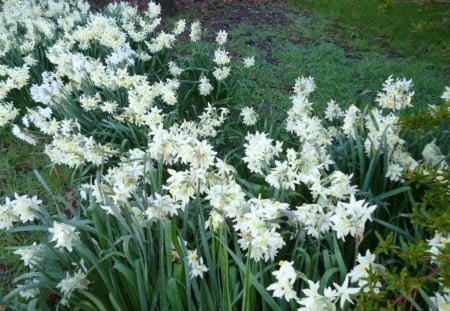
[[350, 47]]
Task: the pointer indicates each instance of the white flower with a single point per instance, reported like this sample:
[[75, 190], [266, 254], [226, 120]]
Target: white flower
[[396, 95], [21, 134], [7, 215], [24, 206], [124, 54], [214, 220], [351, 117], [45, 92], [153, 10], [221, 57], [28, 293], [286, 277], [432, 154], [344, 292], [205, 87], [7, 113], [30, 255], [394, 172], [436, 244], [361, 271], [314, 301], [259, 151], [174, 69], [221, 38], [196, 31], [249, 62], [71, 283], [282, 176], [304, 86], [446, 95], [196, 264], [333, 111], [350, 218], [221, 73], [179, 27], [442, 301], [249, 116], [64, 235]]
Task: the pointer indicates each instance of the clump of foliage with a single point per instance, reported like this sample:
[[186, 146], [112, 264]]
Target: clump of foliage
[[187, 198]]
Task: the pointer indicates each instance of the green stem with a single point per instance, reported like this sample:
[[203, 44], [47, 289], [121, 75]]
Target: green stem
[[224, 271], [246, 303]]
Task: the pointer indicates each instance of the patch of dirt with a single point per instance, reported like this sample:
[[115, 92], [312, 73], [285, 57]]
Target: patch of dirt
[[217, 14], [261, 15]]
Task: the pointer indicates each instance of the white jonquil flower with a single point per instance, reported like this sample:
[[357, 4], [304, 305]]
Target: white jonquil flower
[[221, 38], [30, 255], [64, 235], [221, 73], [249, 62], [196, 31], [205, 87], [249, 116], [446, 95], [77, 281], [196, 264], [24, 206], [350, 218], [286, 277], [360, 272]]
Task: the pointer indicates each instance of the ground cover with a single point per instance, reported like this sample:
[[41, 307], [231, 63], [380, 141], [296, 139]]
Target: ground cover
[[287, 44]]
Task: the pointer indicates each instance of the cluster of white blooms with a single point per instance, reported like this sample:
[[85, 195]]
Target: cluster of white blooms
[[259, 151], [161, 207], [312, 300], [7, 113], [351, 118], [432, 155], [15, 79], [350, 218], [64, 235], [221, 37], [197, 268], [29, 292], [446, 95], [249, 62], [196, 31], [210, 120], [442, 300], [74, 150], [286, 277], [205, 87], [436, 244], [21, 208], [123, 54], [30, 255], [257, 233], [396, 94], [46, 91], [360, 272], [73, 282], [249, 116], [383, 136], [333, 111], [120, 182]]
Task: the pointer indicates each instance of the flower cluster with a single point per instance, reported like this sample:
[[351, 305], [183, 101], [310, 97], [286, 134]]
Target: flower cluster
[[21, 208]]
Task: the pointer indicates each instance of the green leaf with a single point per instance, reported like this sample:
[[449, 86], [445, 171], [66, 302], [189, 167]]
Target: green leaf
[[339, 258]]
